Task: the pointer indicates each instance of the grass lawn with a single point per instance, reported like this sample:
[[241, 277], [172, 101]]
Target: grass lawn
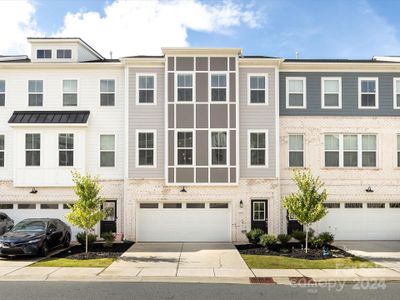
[[281, 262], [64, 262]]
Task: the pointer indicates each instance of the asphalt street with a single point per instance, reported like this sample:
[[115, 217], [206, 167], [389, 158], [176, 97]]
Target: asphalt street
[[150, 290]]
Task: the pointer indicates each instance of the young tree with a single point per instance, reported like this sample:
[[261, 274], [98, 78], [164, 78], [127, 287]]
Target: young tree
[[87, 211], [307, 205]]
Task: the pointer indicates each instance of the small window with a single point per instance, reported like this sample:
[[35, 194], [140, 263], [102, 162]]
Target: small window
[[6, 206], [66, 149], [259, 211], [146, 89], [146, 148], [70, 92], [398, 150], [332, 205], [296, 151], [43, 54], [396, 92], [368, 93], [107, 150], [172, 205], [258, 89], [64, 53], [66, 205], [2, 92], [184, 87], [185, 148], [148, 205], [107, 92], [32, 149], [350, 151], [218, 205], [295, 92], [353, 205], [48, 206], [331, 92], [26, 206], [394, 205], [2, 150], [375, 205], [218, 87], [257, 149], [331, 151], [368, 151], [195, 205], [218, 148], [35, 92]]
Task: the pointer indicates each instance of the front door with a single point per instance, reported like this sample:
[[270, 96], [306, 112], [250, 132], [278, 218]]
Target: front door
[[259, 215], [110, 222]]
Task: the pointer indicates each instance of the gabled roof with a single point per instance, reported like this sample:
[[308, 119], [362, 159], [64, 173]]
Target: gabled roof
[[49, 117]]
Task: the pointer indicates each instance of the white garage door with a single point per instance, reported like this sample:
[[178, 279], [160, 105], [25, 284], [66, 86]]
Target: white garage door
[[362, 221], [183, 222], [20, 211]]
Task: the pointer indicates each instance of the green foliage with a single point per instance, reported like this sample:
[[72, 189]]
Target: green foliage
[[299, 235], [254, 235], [316, 242], [81, 238], [327, 238], [284, 239], [109, 238], [268, 240]]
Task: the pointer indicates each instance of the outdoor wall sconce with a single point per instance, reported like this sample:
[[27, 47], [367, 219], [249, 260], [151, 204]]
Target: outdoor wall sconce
[[241, 203], [369, 190], [33, 191], [183, 190]]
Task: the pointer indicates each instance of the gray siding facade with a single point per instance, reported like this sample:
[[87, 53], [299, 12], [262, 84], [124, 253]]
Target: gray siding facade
[[349, 94]]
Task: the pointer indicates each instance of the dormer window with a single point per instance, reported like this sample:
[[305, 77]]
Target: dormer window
[[43, 54], [64, 53]]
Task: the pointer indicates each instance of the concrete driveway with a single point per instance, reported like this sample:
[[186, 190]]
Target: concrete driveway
[[386, 253], [181, 259]]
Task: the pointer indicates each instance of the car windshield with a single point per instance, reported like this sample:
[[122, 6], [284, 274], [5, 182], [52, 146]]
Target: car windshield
[[29, 226]]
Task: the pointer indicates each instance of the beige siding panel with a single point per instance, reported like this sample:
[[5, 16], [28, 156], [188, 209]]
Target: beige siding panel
[[233, 147], [219, 115], [170, 63], [202, 64], [171, 116], [184, 116], [232, 114], [171, 143], [218, 63], [184, 63], [233, 174], [201, 87], [201, 175], [184, 175], [202, 148], [171, 87], [232, 64], [232, 87], [201, 115], [171, 175], [219, 175]]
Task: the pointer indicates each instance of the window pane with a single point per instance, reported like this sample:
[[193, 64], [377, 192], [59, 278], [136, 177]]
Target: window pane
[[369, 159], [218, 139], [185, 80], [107, 86], [218, 94], [2, 99], [70, 86], [331, 159], [350, 159], [195, 205], [257, 157], [185, 94], [218, 80], [296, 159], [398, 100], [331, 142], [331, 86], [257, 140], [145, 157], [2, 159], [32, 158], [146, 140], [35, 99], [296, 86], [295, 99], [107, 159], [1, 142], [32, 141], [257, 82], [185, 139], [296, 142], [35, 86], [107, 142], [257, 96], [70, 99], [66, 158], [369, 142], [146, 96], [368, 100], [350, 142], [2, 86], [184, 156], [397, 88], [368, 86], [107, 99], [332, 100], [218, 156], [398, 142]]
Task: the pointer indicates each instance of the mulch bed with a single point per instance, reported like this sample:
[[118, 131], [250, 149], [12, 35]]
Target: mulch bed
[[293, 250], [96, 250]]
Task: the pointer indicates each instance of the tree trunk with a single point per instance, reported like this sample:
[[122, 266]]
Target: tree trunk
[[86, 242], [306, 238]]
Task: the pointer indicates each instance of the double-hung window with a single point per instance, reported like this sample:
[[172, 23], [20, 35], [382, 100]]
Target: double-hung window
[[218, 87], [368, 93], [2, 92], [184, 87], [258, 89], [295, 92], [296, 150], [64, 53], [332, 150], [2, 149], [257, 148], [350, 150], [146, 89], [368, 150], [43, 53], [218, 147], [331, 92], [32, 149], [70, 92], [146, 148], [35, 92], [185, 147], [66, 149], [398, 150], [107, 150], [107, 92], [396, 92]]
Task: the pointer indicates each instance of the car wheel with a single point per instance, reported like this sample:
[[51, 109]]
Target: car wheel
[[44, 250], [67, 241]]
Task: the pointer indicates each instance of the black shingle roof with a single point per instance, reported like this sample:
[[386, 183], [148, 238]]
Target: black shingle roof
[[50, 117]]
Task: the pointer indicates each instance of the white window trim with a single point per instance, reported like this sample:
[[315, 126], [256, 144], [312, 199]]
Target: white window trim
[[115, 93], [39, 149], [62, 93], [45, 58], [154, 132], [376, 79], [63, 49], [252, 216], [249, 75], [210, 87], [35, 93], [303, 151], [176, 164], [176, 87], [66, 150], [249, 132], [304, 106], [5, 92], [210, 148], [323, 79], [154, 89], [395, 80], [115, 150]]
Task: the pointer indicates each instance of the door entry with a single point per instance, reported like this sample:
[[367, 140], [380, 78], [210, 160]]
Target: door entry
[[259, 215], [110, 222]]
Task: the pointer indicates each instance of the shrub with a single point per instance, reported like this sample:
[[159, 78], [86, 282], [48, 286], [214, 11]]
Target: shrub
[[254, 235], [268, 240], [109, 238], [299, 235], [316, 242], [284, 239], [81, 238], [327, 238]]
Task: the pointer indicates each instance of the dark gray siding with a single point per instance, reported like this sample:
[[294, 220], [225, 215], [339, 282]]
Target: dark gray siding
[[349, 94]]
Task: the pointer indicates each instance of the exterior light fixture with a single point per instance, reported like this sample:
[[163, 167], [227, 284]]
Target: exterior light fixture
[[369, 190], [33, 191], [241, 203], [183, 190]]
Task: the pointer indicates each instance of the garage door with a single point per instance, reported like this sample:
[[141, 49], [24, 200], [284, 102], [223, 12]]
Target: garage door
[[183, 222], [362, 221], [20, 211]]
